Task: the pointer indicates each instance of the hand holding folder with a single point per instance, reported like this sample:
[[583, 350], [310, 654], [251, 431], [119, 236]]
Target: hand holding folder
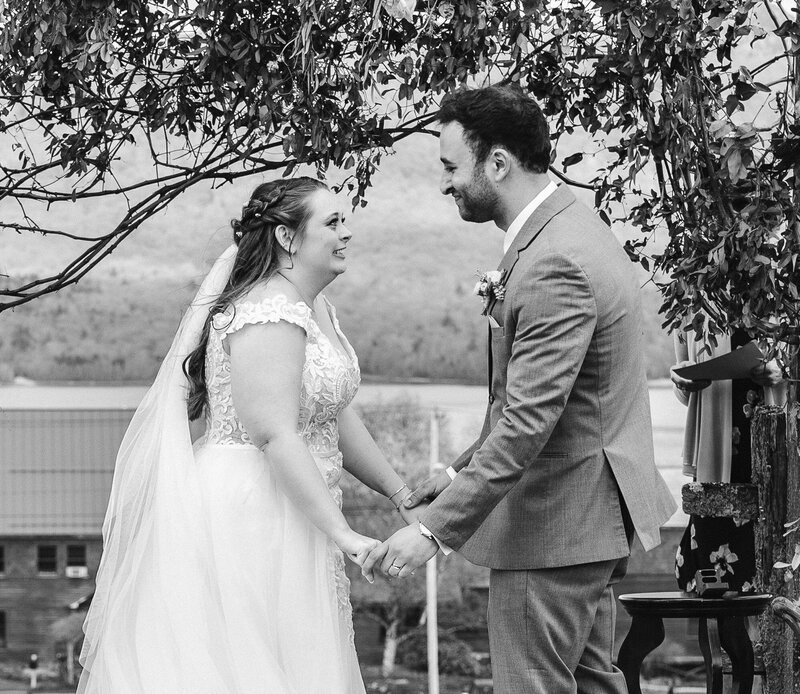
[[736, 364]]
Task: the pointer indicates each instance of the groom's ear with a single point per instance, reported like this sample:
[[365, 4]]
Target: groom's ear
[[498, 164]]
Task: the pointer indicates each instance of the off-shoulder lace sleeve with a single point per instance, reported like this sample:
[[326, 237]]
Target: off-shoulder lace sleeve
[[269, 310]]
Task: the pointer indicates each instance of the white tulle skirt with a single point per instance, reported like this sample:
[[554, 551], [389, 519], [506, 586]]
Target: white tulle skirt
[[250, 599]]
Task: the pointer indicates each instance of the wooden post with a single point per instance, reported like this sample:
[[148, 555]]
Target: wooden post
[[782, 657], [431, 578], [71, 661], [776, 472]]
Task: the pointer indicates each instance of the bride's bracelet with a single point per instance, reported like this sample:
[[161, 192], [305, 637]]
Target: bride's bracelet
[[392, 496], [404, 499]]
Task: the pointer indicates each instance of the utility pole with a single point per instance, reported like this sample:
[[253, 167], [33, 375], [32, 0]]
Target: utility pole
[[431, 576]]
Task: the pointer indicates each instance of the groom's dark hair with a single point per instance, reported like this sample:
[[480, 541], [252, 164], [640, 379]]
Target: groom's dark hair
[[500, 115]]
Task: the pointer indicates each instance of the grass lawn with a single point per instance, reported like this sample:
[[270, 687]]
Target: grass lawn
[[410, 682]]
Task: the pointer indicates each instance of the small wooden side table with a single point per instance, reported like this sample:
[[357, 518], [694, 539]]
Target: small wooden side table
[[721, 625]]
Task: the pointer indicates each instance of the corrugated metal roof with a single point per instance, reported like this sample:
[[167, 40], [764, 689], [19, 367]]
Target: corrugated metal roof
[[58, 445], [39, 397], [71, 397], [56, 468]]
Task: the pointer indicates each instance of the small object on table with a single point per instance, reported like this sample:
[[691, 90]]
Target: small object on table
[[709, 583]]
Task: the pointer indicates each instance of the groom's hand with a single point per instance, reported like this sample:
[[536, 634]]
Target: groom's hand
[[402, 554], [411, 515], [429, 489]]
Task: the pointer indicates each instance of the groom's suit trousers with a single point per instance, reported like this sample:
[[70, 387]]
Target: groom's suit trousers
[[551, 631]]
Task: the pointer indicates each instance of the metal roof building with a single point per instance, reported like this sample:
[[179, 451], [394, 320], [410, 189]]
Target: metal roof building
[[58, 446], [57, 451]]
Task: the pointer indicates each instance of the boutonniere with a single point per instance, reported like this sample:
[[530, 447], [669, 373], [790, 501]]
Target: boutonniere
[[490, 286]]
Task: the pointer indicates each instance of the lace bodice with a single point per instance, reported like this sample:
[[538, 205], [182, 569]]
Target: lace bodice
[[330, 378]]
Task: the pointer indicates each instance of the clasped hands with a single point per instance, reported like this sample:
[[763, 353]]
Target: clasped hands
[[404, 552]]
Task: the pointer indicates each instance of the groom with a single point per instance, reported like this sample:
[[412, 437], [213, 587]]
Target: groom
[[562, 475]]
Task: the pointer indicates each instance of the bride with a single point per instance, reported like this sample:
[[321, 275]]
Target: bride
[[223, 566]]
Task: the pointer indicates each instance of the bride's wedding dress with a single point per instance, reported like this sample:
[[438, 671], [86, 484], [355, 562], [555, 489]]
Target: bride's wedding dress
[[266, 607]]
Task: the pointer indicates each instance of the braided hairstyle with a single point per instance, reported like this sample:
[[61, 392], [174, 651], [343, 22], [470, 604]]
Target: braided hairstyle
[[284, 201]]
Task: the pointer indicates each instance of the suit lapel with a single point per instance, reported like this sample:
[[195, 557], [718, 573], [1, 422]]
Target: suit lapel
[[558, 200]]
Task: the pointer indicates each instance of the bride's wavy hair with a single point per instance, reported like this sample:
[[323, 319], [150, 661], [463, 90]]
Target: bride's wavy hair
[[284, 201]]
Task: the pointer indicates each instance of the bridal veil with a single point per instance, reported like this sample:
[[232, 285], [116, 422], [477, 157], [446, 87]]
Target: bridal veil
[[154, 504]]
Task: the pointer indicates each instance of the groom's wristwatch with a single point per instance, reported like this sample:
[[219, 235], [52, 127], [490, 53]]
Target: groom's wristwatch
[[429, 535], [426, 533]]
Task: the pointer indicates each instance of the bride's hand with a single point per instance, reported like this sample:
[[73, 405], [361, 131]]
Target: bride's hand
[[356, 547]]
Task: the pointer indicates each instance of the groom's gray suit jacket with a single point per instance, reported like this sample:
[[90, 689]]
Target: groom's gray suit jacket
[[567, 435]]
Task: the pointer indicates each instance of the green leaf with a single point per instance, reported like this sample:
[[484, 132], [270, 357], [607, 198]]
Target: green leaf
[[744, 91], [732, 105], [720, 128], [788, 29], [736, 169], [608, 6]]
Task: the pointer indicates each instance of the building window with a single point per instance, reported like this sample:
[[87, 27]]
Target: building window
[[76, 562], [76, 555], [46, 559], [2, 629]]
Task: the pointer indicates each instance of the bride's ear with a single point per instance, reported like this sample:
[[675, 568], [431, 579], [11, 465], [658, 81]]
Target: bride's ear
[[284, 237]]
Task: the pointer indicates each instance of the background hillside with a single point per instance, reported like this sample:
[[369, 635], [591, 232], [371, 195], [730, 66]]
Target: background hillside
[[405, 301]]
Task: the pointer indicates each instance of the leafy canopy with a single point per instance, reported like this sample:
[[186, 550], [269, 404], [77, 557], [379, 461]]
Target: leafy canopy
[[692, 105]]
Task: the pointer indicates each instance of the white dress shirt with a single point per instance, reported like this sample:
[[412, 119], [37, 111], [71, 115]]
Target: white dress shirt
[[511, 234], [524, 216]]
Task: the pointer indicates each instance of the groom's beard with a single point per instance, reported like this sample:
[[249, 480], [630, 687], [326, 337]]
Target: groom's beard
[[477, 202]]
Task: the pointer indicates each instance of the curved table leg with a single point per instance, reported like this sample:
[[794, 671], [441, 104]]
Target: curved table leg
[[644, 636], [708, 635], [736, 642]]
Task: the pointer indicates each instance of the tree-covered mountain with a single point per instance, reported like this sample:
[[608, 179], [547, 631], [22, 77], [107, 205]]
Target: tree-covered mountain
[[405, 302]]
